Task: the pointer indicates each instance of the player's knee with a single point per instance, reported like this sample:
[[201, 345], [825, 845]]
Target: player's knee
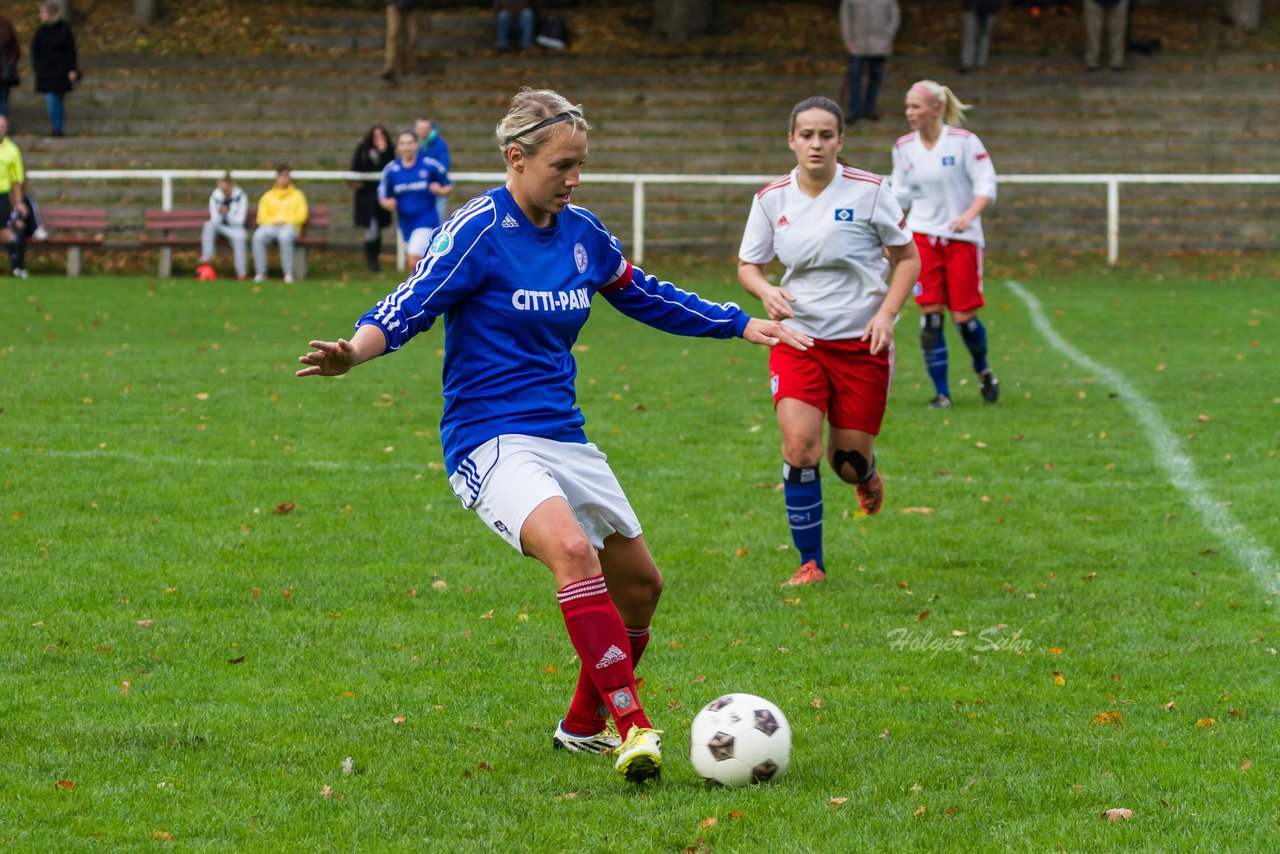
[[801, 452], [930, 328], [851, 465], [575, 558]]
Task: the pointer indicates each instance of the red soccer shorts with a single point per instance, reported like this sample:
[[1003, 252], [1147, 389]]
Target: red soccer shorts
[[841, 378], [950, 273]]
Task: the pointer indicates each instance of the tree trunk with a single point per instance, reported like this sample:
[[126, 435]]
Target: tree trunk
[[145, 11], [1246, 14], [677, 21]]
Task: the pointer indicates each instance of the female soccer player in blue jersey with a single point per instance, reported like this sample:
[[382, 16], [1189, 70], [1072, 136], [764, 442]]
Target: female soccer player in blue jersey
[[837, 229], [409, 187], [513, 272]]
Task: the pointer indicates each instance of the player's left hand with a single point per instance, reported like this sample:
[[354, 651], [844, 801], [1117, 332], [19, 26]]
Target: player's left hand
[[879, 332], [961, 223], [771, 332]]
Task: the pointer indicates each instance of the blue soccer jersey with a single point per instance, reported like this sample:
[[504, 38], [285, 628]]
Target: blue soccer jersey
[[514, 298], [410, 186]]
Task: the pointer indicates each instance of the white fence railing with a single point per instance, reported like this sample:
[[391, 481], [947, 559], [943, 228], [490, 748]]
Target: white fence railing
[[638, 182]]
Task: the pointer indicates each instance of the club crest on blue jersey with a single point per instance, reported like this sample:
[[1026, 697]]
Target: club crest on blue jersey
[[948, 161], [441, 243], [580, 257], [844, 214]]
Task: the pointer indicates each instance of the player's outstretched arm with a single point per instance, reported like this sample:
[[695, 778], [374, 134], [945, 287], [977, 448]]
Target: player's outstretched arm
[[771, 333], [334, 358]]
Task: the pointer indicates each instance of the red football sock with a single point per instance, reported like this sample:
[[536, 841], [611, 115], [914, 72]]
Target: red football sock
[[587, 714], [598, 635]]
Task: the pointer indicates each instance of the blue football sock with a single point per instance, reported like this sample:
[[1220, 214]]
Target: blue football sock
[[802, 489], [975, 338], [935, 361]]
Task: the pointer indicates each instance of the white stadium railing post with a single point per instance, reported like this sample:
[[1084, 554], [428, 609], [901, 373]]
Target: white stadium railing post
[[639, 183]]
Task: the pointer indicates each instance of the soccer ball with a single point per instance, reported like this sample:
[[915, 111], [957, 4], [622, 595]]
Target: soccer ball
[[739, 739]]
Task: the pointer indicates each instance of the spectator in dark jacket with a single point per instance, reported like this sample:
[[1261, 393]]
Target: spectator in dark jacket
[[372, 155], [978, 17], [53, 57], [10, 54]]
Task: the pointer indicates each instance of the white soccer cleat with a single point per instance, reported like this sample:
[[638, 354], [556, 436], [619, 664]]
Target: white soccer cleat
[[602, 742]]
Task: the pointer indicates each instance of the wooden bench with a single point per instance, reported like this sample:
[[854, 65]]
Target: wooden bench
[[180, 229], [73, 229]]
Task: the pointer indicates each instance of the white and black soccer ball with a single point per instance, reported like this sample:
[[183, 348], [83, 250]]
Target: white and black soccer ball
[[739, 739]]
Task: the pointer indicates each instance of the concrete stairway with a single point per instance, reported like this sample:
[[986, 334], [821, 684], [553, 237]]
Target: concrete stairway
[[698, 117]]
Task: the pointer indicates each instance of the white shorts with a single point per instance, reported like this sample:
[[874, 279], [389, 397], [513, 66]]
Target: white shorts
[[504, 479], [419, 242]]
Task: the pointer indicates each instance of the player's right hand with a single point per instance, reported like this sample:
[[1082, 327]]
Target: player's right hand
[[777, 303], [328, 358]]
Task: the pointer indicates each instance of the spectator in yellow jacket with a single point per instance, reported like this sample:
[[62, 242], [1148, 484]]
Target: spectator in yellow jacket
[[282, 212]]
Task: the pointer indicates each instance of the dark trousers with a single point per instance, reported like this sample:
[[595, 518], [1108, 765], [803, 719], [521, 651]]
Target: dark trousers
[[863, 105]]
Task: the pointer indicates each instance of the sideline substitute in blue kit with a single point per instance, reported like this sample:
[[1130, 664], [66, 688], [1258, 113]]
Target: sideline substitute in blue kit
[[513, 272], [409, 188]]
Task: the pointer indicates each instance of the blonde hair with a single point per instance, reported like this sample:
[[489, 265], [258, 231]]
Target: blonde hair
[[953, 108], [532, 119]]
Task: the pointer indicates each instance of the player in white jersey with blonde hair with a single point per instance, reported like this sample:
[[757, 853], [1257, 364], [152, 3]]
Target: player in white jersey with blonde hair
[[944, 179], [837, 230]]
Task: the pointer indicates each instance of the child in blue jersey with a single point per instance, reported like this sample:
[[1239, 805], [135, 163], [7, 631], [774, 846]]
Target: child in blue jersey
[[513, 272], [409, 188]]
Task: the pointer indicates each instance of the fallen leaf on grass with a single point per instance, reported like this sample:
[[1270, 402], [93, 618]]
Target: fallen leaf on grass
[[399, 719], [439, 584], [1059, 679], [236, 660], [835, 802], [1168, 707], [124, 688], [64, 784], [709, 821], [162, 836], [1206, 723], [326, 791], [487, 615], [700, 678], [1053, 650], [146, 624], [1117, 814], [925, 511], [284, 508], [736, 815], [919, 812], [885, 734], [348, 765], [924, 615], [967, 786], [741, 552], [1246, 764], [816, 702], [550, 668], [1107, 718]]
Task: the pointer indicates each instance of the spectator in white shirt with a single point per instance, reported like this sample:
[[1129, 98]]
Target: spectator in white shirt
[[227, 208]]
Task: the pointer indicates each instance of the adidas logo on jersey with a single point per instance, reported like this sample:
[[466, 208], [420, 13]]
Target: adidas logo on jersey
[[509, 221], [612, 655], [782, 220]]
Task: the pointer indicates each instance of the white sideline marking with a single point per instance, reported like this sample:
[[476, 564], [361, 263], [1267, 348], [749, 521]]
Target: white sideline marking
[[1169, 454], [144, 459]]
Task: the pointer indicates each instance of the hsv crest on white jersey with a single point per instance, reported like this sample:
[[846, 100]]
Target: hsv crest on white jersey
[[832, 247], [936, 185]]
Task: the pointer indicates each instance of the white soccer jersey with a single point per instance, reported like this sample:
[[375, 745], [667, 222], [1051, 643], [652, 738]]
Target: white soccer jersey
[[832, 247], [936, 185]]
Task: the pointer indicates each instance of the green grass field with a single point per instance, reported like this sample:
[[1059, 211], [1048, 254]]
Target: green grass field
[[184, 661]]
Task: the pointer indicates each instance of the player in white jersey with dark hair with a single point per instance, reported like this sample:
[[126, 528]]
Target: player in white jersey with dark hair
[[513, 273], [944, 179], [837, 230]]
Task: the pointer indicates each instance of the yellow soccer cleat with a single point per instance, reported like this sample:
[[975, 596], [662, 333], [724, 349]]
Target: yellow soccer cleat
[[640, 756]]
